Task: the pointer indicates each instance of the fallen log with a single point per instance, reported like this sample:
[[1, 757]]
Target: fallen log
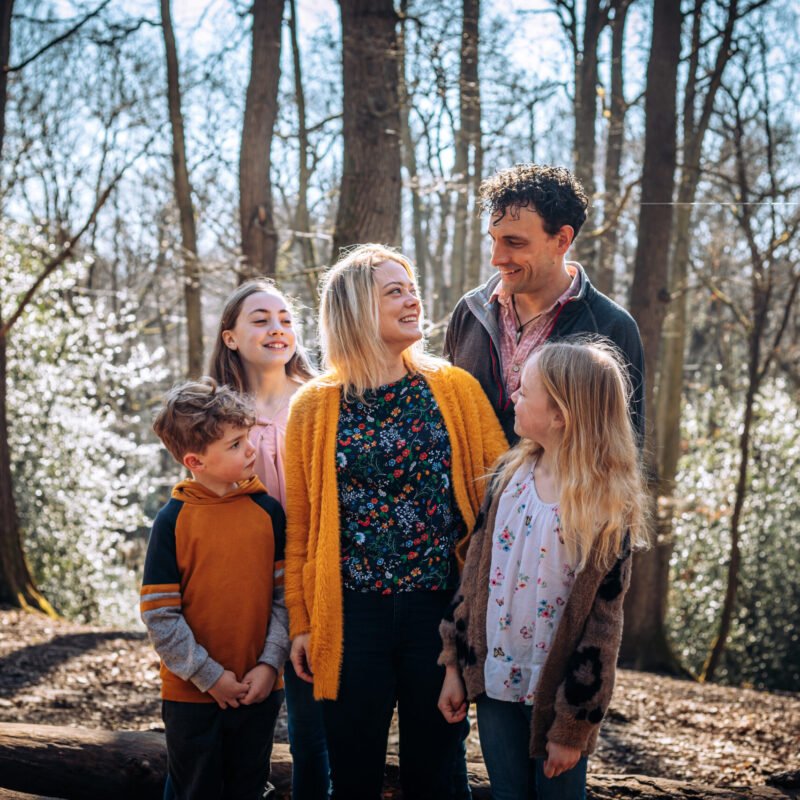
[[7, 794], [61, 763], [76, 763]]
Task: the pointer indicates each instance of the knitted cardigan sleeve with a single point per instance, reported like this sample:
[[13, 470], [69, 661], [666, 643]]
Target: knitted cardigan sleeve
[[298, 428], [455, 624], [583, 696]]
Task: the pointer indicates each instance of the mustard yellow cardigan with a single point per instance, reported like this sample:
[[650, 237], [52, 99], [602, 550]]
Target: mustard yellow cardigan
[[313, 565]]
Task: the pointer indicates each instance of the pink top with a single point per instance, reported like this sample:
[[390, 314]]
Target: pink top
[[268, 437]]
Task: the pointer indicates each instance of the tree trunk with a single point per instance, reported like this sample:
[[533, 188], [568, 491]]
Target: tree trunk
[[16, 584], [302, 222], [585, 147], [6, 7], [668, 402], [734, 562], [256, 220], [369, 200], [183, 198], [409, 154], [607, 246], [644, 642], [467, 142]]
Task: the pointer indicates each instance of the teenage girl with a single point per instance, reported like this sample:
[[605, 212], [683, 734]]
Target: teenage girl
[[256, 351], [536, 624]]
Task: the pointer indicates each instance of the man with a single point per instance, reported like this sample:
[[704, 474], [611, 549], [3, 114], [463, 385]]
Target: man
[[535, 214]]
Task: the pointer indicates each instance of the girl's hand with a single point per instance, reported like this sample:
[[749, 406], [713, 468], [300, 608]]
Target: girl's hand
[[560, 758], [453, 697], [300, 657]]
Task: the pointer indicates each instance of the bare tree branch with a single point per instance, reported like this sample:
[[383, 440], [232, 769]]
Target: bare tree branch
[[59, 39], [67, 249]]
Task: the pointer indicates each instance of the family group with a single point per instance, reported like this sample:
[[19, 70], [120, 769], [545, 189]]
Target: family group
[[403, 530]]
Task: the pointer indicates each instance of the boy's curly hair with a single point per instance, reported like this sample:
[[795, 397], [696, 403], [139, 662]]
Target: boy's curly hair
[[194, 412], [554, 193]]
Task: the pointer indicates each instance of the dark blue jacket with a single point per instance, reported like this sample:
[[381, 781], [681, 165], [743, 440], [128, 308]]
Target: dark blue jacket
[[472, 342]]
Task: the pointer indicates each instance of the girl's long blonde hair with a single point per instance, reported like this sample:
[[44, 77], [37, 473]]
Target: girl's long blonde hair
[[602, 493], [349, 321], [225, 365]]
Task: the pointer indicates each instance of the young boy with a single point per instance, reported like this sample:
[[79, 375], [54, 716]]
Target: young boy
[[212, 598]]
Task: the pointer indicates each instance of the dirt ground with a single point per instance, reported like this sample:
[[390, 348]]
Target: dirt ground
[[60, 673]]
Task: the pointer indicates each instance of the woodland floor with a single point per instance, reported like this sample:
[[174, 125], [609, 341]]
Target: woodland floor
[[60, 673]]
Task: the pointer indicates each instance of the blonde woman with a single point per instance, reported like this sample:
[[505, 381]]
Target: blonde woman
[[538, 618], [386, 456]]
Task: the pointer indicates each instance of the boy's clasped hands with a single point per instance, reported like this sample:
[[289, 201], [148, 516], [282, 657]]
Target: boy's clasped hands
[[255, 687]]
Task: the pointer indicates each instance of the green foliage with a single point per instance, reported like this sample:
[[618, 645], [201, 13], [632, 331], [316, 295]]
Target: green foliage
[[81, 472], [764, 646]]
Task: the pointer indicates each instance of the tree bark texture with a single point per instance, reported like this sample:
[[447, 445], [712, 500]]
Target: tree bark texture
[[668, 402], [17, 587], [607, 246], [256, 219], [6, 7], [644, 642], [468, 158], [302, 222], [16, 584], [409, 155], [671, 363], [369, 199], [183, 198], [585, 108]]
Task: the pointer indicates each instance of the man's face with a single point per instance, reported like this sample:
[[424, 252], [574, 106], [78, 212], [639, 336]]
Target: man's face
[[528, 259]]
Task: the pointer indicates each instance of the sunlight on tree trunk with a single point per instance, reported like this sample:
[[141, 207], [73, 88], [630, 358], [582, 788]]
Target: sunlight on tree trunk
[[369, 200], [644, 643], [183, 197], [256, 218]]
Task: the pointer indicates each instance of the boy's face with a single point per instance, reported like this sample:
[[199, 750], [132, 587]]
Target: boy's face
[[225, 462]]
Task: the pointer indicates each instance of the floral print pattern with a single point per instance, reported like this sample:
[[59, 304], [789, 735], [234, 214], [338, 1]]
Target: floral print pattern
[[399, 518], [529, 585]]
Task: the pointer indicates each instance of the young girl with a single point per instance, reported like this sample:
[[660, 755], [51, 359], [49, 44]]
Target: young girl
[[257, 352], [536, 624]]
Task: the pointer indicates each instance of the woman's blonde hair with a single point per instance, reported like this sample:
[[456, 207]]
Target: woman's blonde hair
[[225, 365], [602, 494], [349, 321]]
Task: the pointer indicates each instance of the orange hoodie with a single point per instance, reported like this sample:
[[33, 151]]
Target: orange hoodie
[[212, 593]]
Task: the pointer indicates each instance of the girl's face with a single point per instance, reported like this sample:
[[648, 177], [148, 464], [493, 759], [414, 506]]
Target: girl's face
[[263, 334], [536, 416], [398, 307]]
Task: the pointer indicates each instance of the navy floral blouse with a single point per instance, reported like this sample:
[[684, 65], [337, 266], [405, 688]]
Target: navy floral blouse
[[399, 519]]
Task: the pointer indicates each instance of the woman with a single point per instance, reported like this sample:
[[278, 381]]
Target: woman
[[386, 455]]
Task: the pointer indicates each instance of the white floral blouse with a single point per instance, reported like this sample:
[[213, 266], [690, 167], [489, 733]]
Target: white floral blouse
[[529, 582]]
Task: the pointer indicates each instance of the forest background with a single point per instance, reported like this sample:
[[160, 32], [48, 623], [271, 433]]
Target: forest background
[[154, 156]]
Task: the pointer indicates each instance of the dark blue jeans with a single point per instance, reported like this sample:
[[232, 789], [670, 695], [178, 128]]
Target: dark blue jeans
[[505, 730], [310, 771], [218, 753], [391, 643]]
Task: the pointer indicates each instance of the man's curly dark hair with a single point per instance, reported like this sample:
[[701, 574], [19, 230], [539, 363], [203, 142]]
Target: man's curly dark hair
[[554, 193]]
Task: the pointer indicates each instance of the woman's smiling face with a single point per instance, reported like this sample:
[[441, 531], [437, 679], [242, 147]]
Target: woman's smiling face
[[399, 309]]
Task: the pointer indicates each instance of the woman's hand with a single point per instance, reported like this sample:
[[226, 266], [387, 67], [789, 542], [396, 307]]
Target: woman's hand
[[453, 697], [300, 657], [560, 758]]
